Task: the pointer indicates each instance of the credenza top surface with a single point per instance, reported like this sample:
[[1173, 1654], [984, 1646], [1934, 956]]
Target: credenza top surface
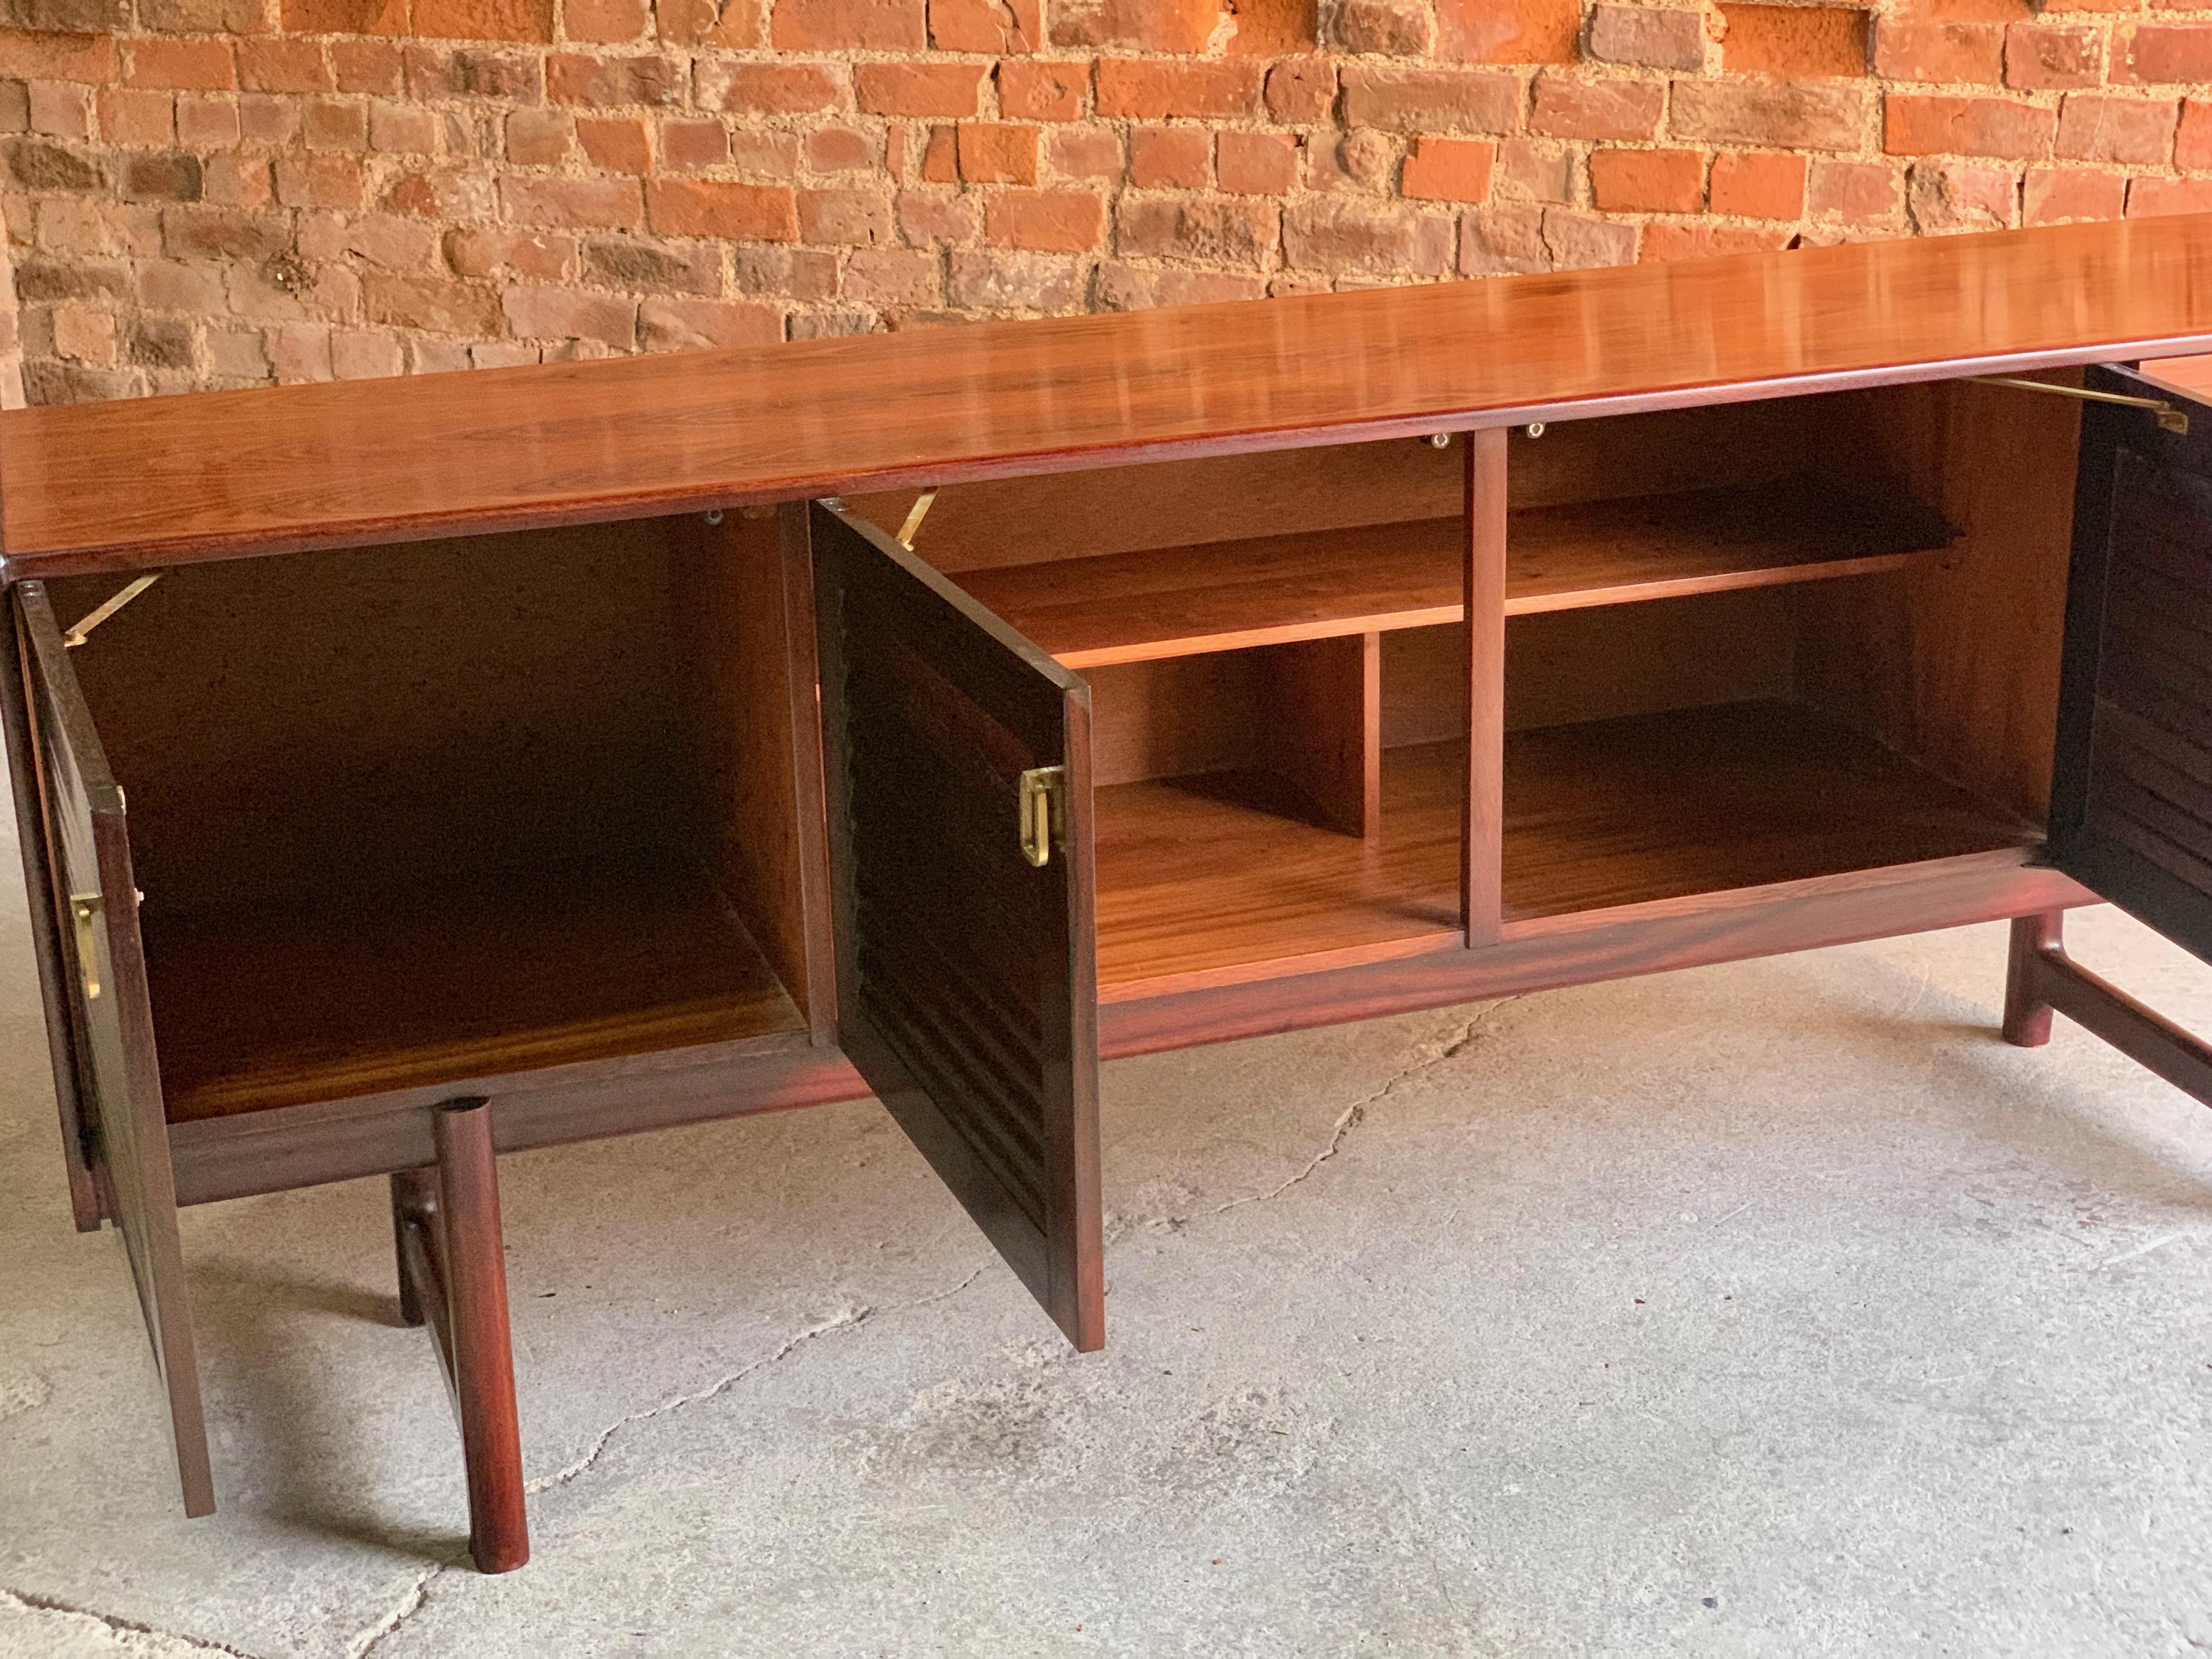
[[155, 481]]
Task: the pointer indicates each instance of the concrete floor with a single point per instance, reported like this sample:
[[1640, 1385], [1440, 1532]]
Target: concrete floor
[[1771, 1308]]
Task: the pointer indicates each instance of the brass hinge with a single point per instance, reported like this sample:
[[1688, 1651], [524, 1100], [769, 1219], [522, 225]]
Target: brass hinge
[[1044, 812], [84, 909], [2171, 417]]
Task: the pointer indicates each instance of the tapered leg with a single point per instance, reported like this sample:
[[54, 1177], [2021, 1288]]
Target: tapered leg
[[2027, 1016], [410, 1205], [483, 1355]]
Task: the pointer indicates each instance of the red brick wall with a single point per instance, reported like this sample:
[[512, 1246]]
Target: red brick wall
[[221, 192]]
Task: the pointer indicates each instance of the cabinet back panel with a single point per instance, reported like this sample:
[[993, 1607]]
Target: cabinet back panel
[[458, 703]]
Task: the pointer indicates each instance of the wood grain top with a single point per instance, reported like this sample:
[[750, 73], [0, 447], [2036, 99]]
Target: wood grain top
[[159, 481]]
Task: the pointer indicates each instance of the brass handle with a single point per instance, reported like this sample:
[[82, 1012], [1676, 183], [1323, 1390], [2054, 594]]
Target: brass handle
[[1043, 789], [85, 908]]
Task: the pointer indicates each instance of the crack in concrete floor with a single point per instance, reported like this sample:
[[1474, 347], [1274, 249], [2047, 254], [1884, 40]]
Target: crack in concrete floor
[[135, 1638]]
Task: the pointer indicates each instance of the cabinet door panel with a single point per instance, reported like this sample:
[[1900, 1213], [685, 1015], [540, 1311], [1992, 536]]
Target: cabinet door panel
[[967, 991], [2131, 802], [118, 1079]]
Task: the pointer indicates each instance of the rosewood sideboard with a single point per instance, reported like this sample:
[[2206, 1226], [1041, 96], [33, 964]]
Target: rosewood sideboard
[[416, 771]]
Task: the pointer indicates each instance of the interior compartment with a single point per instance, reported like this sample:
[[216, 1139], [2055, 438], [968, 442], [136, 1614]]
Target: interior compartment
[[1746, 644], [455, 809]]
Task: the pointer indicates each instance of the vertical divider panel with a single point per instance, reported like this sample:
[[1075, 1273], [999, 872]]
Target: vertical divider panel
[[1483, 823], [1325, 733]]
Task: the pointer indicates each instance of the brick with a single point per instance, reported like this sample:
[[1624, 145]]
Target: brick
[[2149, 196], [1856, 192], [1568, 108], [742, 213], [1264, 28], [372, 66], [569, 314], [2137, 129], [605, 203], [60, 108], [1396, 28], [1758, 187], [1171, 158], [1796, 42], [2192, 141], [265, 119], [1231, 230], [481, 19], [741, 27], [1166, 26], [1046, 221], [1508, 31], [334, 124], [687, 145], [162, 343], [1664, 242], [439, 306], [1448, 170], [849, 218], [836, 25], [40, 281], [1652, 36], [2038, 57], [182, 65], [1256, 163], [1034, 90], [1300, 89], [929, 216], [1536, 171], [703, 325], [839, 149], [1789, 115], [647, 78], [539, 138], [205, 123], [617, 143], [132, 117], [996, 27], [384, 17], [1432, 100], [940, 157], [209, 233], [2051, 195], [997, 153], [323, 181], [238, 354], [2163, 52], [280, 65], [1918, 124], [475, 73], [614, 22], [624, 262], [1363, 158], [949, 89], [1085, 153], [85, 334], [402, 130], [1582, 241], [1946, 197], [1647, 181], [1151, 92], [46, 56], [161, 179], [1123, 287], [1915, 50], [174, 285], [1012, 281], [1347, 235], [362, 354], [39, 164], [486, 252], [893, 276]]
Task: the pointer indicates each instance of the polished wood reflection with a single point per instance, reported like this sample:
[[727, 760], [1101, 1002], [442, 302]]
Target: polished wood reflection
[[164, 480]]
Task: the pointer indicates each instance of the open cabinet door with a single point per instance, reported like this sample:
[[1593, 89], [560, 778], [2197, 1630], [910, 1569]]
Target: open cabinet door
[[118, 1082], [2132, 792], [958, 770]]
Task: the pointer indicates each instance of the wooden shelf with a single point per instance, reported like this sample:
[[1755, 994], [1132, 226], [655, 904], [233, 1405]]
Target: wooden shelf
[[406, 985], [1174, 602], [1208, 879], [1660, 807], [1202, 876]]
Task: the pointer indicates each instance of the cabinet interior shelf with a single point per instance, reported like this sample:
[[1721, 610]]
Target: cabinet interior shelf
[[1200, 877], [1181, 601], [409, 983]]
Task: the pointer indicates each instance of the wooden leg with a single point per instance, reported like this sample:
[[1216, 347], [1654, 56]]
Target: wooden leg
[[2027, 1016], [483, 1352], [452, 1276], [410, 1203]]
